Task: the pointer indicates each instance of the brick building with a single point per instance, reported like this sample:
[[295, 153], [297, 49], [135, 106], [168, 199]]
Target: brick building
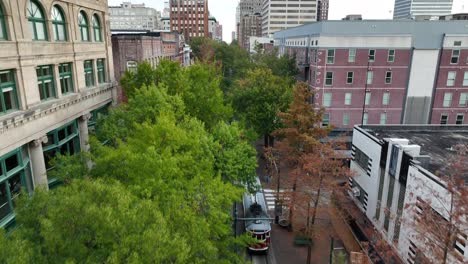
[[384, 72], [250, 21], [56, 78], [322, 11], [131, 48], [189, 17]]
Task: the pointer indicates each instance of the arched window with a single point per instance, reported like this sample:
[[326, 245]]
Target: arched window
[[37, 21], [83, 23], [58, 23], [97, 28], [3, 32]]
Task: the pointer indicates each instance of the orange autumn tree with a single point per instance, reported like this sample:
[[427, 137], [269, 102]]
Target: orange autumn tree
[[313, 161]]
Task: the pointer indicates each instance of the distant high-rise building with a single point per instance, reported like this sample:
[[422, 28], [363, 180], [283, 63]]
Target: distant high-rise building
[[407, 9], [250, 21], [130, 16], [215, 29], [284, 14], [322, 11], [233, 35], [189, 17]]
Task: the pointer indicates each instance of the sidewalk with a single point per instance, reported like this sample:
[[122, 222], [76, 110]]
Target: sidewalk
[[285, 251]]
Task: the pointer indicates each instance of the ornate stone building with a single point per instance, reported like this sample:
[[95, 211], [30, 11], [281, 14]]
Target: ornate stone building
[[56, 77]]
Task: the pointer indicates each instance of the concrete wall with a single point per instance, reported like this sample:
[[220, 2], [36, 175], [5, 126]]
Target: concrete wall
[[19, 53]]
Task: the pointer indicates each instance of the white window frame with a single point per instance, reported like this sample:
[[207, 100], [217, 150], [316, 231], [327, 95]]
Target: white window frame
[[446, 118], [388, 77], [463, 99], [345, 119], [370, 77], [462, 119], [348, 98], [352, 55], [455, 57], [391, 57], [368, 98], [447, 99], [386, 98], [326, 78], [383, 118], [348, 77], [373, 55], [465, 79], [451, 77], [332, 58], [327, 99]]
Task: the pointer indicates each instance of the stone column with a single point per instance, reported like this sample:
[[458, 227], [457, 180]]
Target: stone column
[[84, 134], [38, 164]]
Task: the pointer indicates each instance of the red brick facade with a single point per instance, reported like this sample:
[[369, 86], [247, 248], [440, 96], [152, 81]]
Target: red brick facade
[[457, 87]]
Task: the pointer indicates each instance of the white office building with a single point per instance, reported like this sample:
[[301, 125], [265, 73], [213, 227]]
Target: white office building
[[130, 16], [407, 9], [279, 15], [398, 176]]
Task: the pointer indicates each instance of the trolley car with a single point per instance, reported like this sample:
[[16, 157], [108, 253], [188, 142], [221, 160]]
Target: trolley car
[[257, 221]]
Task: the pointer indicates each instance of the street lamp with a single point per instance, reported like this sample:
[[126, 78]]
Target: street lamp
[[365, 90]]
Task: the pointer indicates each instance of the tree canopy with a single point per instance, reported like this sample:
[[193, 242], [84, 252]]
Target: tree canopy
[[161, 190]]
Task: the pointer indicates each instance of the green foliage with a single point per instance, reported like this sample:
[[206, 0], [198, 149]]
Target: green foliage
[[131, 81], [204, 99], [236, 158], [283, 66], [92, 222], [259, 97]]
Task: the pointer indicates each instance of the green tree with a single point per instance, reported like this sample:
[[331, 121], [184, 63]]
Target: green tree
[[284, 66], [258, 98], [235, 156], [92, 222], [144, 76]]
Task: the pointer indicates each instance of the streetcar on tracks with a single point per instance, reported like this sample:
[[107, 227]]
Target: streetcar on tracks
[[257, 221]]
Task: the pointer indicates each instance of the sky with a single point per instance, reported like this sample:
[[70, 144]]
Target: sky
[[225, 10]]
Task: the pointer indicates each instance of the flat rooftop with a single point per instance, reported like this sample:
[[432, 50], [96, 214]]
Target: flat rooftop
[[436, 141], [425, 34]]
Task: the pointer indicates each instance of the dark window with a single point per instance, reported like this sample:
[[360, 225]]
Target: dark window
[[89, 73], [349, 79], [383, 155], [45, 81], [3, 32], [405, 163], [8, 96], [361, 159], [66, 78], [393, 161]]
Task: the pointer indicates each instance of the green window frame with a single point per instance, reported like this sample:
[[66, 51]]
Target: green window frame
[[101, 71], [14, 173], [3, 31], [66, 78], [97, 114], [58, 24], [97, 28], [37, 22], [45, 82], [84, 26], [89, 73], [8, 93], [64, 140]]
